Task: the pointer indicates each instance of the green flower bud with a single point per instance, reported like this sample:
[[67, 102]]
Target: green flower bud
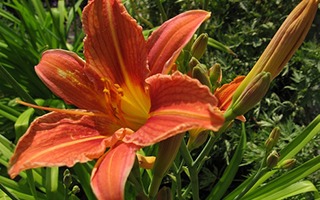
[[215, 75], [196, 139], [287, 164], [275, 134], [273, 139], [272, 159], [75, 189], [199, 46], [200, 72], [193, 62], [67, 178], [269, 144], [252, 94]]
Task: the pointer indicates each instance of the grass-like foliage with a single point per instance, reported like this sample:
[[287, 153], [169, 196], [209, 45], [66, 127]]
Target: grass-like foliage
[[274, 154]]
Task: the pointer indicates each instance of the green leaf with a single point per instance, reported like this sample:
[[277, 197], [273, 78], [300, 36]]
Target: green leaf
[[287, 179], [23, 122], [228, 175], [83, 174], [288, 152], [292, 190]]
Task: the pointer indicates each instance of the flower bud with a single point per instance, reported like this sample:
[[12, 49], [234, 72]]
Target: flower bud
[[215, 75], [272, 159], [252, 94], [193, 62], [76, 189], [197, 138], [164, 194], [269, 144], [200, 72], [275, 134], [287, 164], [284, 43], [273, 139], [67, 178], [167, 152], [199, 46]]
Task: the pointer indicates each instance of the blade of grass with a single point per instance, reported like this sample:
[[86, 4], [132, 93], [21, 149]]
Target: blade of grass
[[304, 137], [287, 179], [84, 178], [292, 190], [52, 175], [22, 123], [13, 197], [16, 86], [228, 175]]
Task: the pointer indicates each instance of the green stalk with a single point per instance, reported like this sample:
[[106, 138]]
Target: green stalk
[[192, 169], [167, 152], [163, 13]]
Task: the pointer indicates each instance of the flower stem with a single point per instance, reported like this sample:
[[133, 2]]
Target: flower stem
[[192, 170]]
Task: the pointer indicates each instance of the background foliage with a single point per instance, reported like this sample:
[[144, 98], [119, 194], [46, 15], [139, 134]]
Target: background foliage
[[27, 28]]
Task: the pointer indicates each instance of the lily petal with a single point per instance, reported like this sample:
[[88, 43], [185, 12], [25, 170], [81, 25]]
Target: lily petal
[[58, 139], [115, 48], [111, 172], [63, 72], [225, 93], [179, 103], [165, 44]]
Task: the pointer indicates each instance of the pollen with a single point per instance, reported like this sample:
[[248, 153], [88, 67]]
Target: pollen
[[113, 94]]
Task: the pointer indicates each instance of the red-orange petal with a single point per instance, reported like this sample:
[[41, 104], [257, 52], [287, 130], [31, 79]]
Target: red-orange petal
[[114, 46], [225, 93], [166, 43], [58, 139], [178, 103], [63, 72], [111, 172]]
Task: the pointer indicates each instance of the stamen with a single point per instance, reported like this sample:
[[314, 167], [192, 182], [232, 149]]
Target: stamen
[[73, 112]]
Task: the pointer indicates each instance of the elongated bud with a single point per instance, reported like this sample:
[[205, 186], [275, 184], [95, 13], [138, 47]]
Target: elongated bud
[[252, 94], [273, 139], [193, 62], [164, 194], [272, 159], [287, 164], [200, 72], [197, 138], [275, 134], [199, 46], [167, 152], [284, 43], [215, 74], [67, 178]]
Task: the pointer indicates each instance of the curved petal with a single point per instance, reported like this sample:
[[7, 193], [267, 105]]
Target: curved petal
[[111, 172], [63, 72], [58, 139], [225, 93], [178, 103], [166, 43], [115, 48]]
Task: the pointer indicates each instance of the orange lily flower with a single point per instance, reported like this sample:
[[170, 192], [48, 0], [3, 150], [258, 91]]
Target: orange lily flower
[[125, 98]]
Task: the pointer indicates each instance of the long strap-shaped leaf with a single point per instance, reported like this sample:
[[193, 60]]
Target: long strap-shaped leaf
[[288, 152], [221, 187], [285, 180]]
